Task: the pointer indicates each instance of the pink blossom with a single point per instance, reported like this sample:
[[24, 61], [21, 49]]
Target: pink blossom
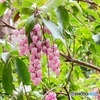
[[2, 1], [36, 62], [49, 50], [46, 30], [31, 69], [38, 55], [57, 71], [32, 58], [33, 76], [34, 51], [97, 91], [31, 46], [16, 32], [39, 73], [22, 31], [56, 53], [22, 50], [37, 27], [51, 96], [34, 39], [38, 66], [44, 49], [39, 44], [50, 56], [55, 60], [37, 81]]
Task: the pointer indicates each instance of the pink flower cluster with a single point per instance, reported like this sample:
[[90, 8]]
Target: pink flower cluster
[[2, 1], [23, 41], [53, 56], [35, 50], [96, 90], [35, 56], [51, 96]]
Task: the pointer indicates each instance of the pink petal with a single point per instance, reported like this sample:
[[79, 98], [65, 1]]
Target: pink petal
[[33, 76], [36, 81], [39, 44], [34, 51], [39, 73], [50, 56], [37, 27], [34, 39]]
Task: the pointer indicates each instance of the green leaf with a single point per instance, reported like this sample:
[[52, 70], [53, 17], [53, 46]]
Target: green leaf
[[97, 28], [7, 78], [21, 23], [1, 69], [5, 56], [1, 50], [3, 7], [97, 1], [63, 16], [26, 10], [29, 24], [37, 94], [75, 10], [17, 3], [6, 44], [22, 71], [74, 3], [20, 95], [27, 3], [52, 4], [54, 30]]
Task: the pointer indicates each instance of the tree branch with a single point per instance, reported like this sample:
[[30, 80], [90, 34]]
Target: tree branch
[[7, 25], [80, 62], [90, 2], [67, 93]]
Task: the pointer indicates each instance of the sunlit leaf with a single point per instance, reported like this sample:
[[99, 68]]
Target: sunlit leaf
[[1, 50], [3, 6], [54, 30], [52, 4]]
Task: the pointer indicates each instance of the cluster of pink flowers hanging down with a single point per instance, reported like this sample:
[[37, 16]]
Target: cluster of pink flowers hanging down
[[35, 49]]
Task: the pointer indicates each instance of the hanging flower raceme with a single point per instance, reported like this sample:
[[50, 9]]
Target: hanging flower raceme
[[35, 56], [53, 56], [35, 49]]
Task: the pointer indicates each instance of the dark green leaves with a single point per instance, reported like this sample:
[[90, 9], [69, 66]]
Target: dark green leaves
[[62, 15], [22, 71], [29, 24], [7, 78], [54, 30]]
